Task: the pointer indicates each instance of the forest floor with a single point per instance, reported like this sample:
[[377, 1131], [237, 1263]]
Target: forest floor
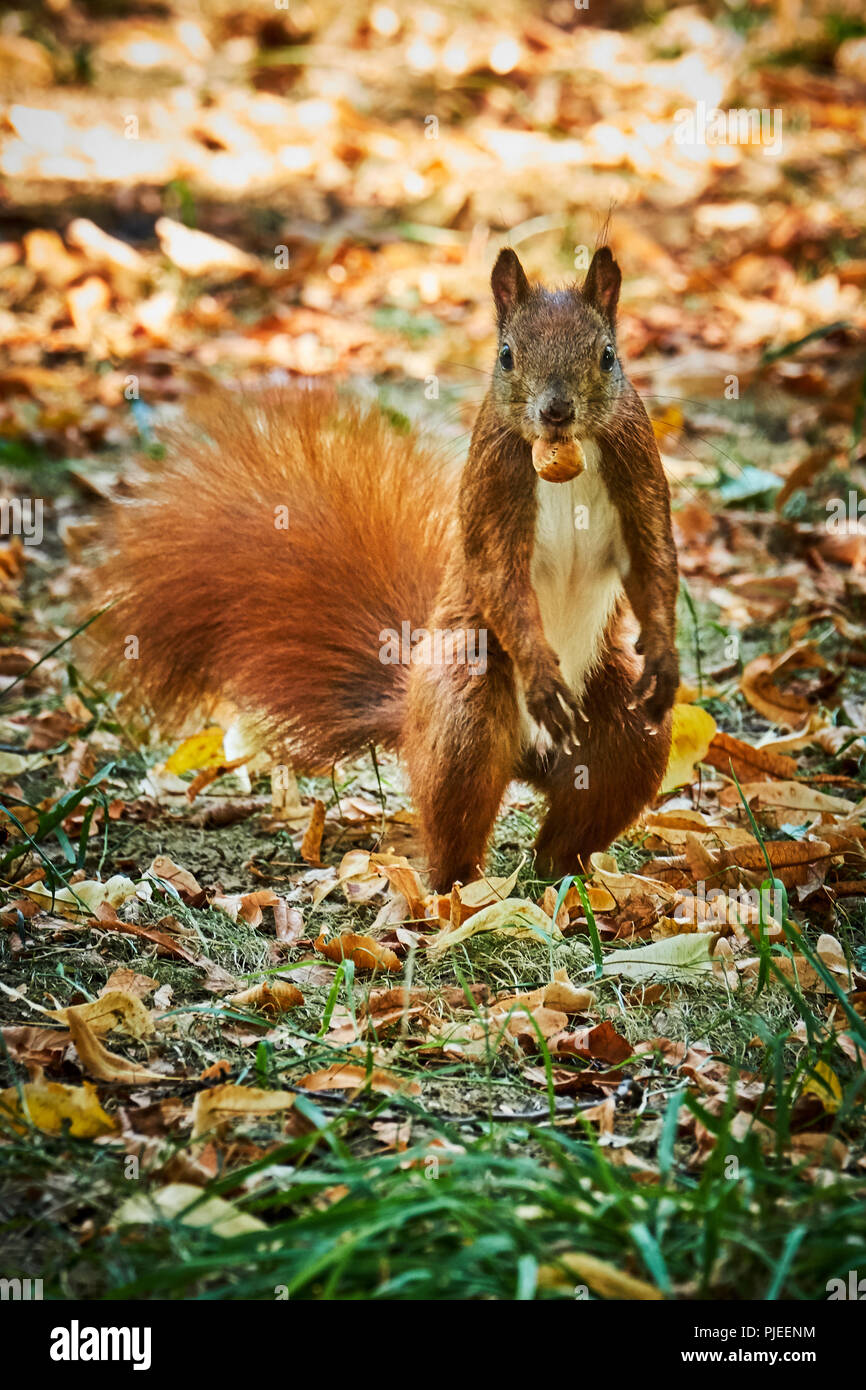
[[246, 1052]]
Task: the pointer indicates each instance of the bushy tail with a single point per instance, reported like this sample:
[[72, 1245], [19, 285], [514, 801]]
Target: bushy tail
[[263, 560]]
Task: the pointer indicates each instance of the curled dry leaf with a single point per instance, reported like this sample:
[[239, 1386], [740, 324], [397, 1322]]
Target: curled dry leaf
[[88, 895], [513, 917], [347, 1076], [311, 845], [269, 997], [363, 951], [762, 684], [113, 1009], [99, 1062], [184, 883], [559, 994], [247, 906], [522, 1022], [227, 1102], [601, 1043], [624, 887], [726, 751]]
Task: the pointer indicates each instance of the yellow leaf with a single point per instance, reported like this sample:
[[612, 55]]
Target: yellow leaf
[[48, 1104], [824, 1083], [188, 1204], [603, 1278], [512, 917], [693, 731], [204, 749], [114, 1009]]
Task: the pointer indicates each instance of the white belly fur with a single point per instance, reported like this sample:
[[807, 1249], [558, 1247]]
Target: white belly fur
[[578, 565]]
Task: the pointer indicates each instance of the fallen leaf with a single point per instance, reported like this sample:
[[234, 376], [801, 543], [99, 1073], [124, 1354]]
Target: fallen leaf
[[269, 997], [49, 1105], [112, 1009], [311, 845], [692, 734], [364, 951], [220, 1103], [188, 1204], [201, 750], [99, 1062], [689, 952], [346, 1076], [512, 917], [603, 1278]]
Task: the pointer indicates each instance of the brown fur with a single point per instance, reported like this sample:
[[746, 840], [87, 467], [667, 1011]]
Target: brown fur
[[284, 622], [289, 623]]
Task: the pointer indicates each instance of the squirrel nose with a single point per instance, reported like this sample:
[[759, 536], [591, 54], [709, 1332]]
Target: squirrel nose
[[558, 411]]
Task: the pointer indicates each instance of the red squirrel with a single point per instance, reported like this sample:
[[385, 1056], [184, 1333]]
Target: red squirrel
[[290, 544]]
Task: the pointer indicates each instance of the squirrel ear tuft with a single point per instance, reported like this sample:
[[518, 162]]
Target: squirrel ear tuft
[[509, 283], [601, 286]]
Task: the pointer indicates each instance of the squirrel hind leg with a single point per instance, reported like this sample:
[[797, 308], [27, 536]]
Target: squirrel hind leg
[[460, 745], [599, 789]]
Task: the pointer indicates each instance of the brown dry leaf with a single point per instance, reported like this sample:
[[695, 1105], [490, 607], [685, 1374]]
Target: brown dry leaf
[[37, 1047], [559, 994], [49, 1105], [747, 760], [405, 881], [214, 1107], [792, 860], [791, 798], [625, 887], [796, 969], [603, 1115], [311, 845], [269, 997], [99, 1062], [86, 304], [761, 684], [364, 951], [547, 1022], [246, 905], [183, 882], [108, 918], [601, 1043], [130, 982], [112, 1009], [347, 1076]]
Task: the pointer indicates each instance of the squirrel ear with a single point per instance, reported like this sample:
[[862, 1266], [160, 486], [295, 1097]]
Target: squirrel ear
[[509, 283], [601, 286]]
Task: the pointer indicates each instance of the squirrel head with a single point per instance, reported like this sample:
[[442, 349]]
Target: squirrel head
[[557, 374]]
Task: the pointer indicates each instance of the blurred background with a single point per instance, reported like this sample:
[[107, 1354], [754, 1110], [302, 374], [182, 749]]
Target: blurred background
[[288, 187], [196, 190]]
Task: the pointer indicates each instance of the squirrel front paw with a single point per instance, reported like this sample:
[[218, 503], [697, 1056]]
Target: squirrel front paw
[[554, 708], [657, 686]]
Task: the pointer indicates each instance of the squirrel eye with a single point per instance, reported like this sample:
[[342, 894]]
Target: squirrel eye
[[608, 357], [506, 358]]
